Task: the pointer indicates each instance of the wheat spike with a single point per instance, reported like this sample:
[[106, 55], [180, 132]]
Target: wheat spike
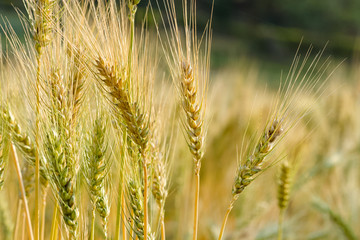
[[23, 142], [159, 174], [77, 76], [284, 184], [62, 165], [193, 113], [137, 208], [253, 163], [63, 180], [97, 169], [135, 121], [42, 16]]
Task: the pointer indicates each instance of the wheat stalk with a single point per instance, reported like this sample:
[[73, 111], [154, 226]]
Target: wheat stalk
[[41, 14]]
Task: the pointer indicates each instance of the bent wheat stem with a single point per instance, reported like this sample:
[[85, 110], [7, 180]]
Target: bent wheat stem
[[230, 207]]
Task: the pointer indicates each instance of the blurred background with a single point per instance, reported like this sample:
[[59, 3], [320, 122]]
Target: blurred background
[[265, 31], [255, 40]]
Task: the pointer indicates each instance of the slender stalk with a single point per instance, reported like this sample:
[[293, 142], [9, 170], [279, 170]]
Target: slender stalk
[[22, 188], [43, 211], [123, 220], [54, 225], [196, 204], [145, 199], [23, 225], [59, 229], [231, 205], [37, 161], [280, 228], [162, 226], [18, 213], [92, 230], [119, 211], [120, 216]]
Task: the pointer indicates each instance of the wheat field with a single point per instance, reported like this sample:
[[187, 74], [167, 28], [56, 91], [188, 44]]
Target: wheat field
[[114, 130]]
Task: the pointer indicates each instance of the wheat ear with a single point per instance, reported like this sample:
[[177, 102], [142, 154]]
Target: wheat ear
[[62, 178], [23, 142], [284, 184], [253, 165], [77, 82], [60, 154], [135, 197], [96, 170], [133, 118]]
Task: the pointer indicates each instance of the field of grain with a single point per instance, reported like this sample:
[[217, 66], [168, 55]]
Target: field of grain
[[112, 130]]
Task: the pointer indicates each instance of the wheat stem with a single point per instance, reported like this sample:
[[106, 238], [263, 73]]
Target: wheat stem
[[280, 227], [123, 220], [37, 161], [22, 188], [230, 207], [119, 210], [23, 225], [54, 223], [92, 229], [196, 205], [145, 198], [43, 213], [162, 225], [18, 213]]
